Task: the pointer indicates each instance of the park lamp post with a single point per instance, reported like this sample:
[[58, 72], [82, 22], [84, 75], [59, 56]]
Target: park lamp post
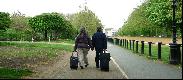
[[174, 47]]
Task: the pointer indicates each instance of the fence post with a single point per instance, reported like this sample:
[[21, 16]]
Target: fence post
[[120, 42], [150, 48], [32, 39], [130, 45], [117, 41], [133, 44], [127, 44], [112, 40], [159, 50], [142, 47], [137, 46], [123, 42]]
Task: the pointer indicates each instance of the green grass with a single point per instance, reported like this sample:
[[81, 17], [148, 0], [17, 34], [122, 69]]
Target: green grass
[[9, 73], [33, 49], [64, 41], [24, 50]]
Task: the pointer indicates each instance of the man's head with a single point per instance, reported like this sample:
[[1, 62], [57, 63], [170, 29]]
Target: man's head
[[99, 29]]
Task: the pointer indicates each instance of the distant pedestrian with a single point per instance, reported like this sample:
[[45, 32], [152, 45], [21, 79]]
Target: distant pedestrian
[[99, 42], [82, 46]]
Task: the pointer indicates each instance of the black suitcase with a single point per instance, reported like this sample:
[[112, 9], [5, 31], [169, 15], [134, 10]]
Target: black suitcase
[[74, 61], [104, 61]]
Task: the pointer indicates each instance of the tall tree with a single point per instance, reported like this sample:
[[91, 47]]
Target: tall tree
[[137, 24], [4, 20], [19, 21], [86, 18], [159, 12], [53, 23], [20, 24]]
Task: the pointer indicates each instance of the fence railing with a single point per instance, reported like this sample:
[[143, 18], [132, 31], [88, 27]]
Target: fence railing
[[135, 44]]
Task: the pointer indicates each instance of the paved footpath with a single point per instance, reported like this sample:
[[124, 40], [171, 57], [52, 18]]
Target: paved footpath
[[138, 67], [61, 70], [91, 72]]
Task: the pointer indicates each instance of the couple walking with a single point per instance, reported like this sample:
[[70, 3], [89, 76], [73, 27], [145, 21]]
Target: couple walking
[[83, 44]]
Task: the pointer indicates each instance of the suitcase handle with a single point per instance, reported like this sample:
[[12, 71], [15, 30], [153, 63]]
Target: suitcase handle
[[104, 51], [74, 51]]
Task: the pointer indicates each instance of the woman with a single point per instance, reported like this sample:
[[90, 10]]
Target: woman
[[82, 46]]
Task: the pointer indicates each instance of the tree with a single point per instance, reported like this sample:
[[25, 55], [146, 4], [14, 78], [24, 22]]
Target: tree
[[152, 18], [21, 26], [54, 24], [4, 20], [137, 24], [159, 12], [87, 19]]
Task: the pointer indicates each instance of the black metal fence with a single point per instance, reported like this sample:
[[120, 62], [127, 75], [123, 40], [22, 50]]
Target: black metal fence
[[136, 45]]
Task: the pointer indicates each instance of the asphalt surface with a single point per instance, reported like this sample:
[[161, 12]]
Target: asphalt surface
[[138, 67]]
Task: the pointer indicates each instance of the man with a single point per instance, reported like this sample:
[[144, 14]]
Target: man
[[99, 42]]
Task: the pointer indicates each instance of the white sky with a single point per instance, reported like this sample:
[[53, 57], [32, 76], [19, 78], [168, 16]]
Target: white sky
[[112, 13]]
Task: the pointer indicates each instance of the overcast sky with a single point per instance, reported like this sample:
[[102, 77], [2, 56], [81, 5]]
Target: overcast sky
[[112, 13]]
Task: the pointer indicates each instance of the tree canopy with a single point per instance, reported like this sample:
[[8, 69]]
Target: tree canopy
[[4, 20], [53, 23], [152, 18], [87, 19]]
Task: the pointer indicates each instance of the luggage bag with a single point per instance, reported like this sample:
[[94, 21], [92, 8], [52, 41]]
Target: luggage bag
[[74, 60], [104, 61]]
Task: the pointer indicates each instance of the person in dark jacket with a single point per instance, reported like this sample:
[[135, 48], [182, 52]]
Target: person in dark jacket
[[82, 46], [99, 42]]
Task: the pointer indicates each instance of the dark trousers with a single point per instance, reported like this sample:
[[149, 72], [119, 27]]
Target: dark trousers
[[97, 58]]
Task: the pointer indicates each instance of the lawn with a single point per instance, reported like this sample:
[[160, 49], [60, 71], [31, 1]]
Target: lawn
[[17, 58]]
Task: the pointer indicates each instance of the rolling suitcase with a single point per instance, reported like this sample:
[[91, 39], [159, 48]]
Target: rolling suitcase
[[104, 61], [74, 60]]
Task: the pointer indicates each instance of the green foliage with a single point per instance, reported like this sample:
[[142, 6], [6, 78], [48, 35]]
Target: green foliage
[[160, 12], [70, 31], [87, 19], [137, 24], [16, 35], [4, 20], [20, 22], [37, 49], [152, 18], [53, 23], [9, 73]]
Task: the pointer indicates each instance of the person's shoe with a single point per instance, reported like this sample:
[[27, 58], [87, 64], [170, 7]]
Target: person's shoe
[[86, 65], [82, 67], [97, 66]]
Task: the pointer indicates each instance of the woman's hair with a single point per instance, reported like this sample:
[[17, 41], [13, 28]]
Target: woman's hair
[[82, 30]]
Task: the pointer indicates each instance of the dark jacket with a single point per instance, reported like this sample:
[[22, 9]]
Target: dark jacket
[[82, 41], [99, 41]]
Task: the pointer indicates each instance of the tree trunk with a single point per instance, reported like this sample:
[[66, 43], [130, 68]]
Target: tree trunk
[[51, 36], [45, 35]]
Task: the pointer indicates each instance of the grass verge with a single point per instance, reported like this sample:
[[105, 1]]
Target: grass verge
[[16, 56], [10, 73]]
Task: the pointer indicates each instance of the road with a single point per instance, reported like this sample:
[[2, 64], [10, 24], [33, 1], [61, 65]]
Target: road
[[138, 67]]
